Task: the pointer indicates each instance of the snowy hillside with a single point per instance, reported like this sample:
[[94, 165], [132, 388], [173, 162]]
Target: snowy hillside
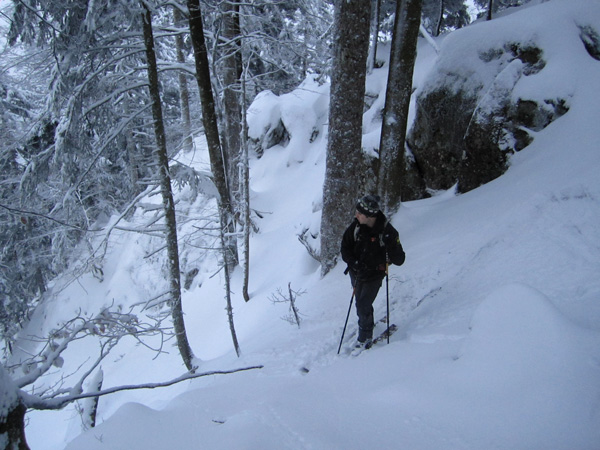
[[498, 303]]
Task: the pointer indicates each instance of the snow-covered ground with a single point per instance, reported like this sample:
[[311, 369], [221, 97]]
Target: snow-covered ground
[[503, 351]]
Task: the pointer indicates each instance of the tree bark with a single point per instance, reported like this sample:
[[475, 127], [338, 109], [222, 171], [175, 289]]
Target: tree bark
[[344, 147], [372, 59], [438, 28], [184, 94], [229, 307], [12, 428], [211, 129], [232, 72], [392, 157], [167, 196], [245, 187]]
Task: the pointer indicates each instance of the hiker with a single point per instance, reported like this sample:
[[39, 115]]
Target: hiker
[[369, 244]]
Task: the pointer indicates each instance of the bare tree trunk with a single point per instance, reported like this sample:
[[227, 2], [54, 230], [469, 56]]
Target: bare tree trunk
[[184, 93], [211, 130], [344, 148], [438, 28], [372, 59], [490, 7], [392, 168], [131, 151], [232, 65], [245, 182], [167, 195], [229, 307]]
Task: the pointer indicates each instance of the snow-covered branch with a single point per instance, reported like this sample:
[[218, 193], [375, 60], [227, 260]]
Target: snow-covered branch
[[58, 403], [22, 212], [108, 326], [429, 38]]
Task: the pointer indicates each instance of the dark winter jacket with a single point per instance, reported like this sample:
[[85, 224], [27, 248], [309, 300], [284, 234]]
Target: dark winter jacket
[[366, 249]]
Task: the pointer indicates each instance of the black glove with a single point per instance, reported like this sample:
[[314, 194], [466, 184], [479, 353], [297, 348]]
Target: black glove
[[358, 266], [352, 266]]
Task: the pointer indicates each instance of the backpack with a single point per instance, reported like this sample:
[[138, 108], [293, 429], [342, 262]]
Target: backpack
[[381, 243]]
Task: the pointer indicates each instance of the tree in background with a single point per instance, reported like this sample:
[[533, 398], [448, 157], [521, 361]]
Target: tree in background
[[165, 187], [444, 15], [68, 167], [232, 104], [437, 16], [490, 7], [375, 24], [211, 130], [228, 236], [344, 147], [184, 96], [284, 42]]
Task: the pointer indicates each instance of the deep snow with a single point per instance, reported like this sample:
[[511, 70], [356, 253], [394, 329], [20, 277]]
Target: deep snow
[[503, 351]]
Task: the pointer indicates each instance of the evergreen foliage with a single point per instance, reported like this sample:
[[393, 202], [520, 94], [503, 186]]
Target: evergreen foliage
[[76, 131]]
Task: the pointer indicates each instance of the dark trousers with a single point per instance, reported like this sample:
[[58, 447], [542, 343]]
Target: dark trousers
[[365, 293]]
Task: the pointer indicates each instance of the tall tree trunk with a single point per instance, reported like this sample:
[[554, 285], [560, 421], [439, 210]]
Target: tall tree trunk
[[392, 158], [211, 129], [232, 72], [167, 195], [245, 187], [344, 148], [184, 94], [372, 59]]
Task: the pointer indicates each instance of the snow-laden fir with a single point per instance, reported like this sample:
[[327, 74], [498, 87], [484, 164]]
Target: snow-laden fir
[[502, 351]]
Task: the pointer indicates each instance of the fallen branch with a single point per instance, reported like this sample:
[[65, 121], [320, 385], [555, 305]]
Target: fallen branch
[[59, 403]]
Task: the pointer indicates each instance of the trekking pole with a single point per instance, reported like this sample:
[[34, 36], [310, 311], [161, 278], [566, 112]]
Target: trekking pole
[[347, 316], [387, 297]]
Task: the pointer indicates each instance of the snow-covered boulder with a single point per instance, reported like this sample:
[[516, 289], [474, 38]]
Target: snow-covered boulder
[[292, 120], [265, 127], [495, 85]]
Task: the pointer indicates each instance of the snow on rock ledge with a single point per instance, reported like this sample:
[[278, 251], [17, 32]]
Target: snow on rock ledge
[[293, 120]]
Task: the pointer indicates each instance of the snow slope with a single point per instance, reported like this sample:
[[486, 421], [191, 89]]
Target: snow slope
[[498, 305]]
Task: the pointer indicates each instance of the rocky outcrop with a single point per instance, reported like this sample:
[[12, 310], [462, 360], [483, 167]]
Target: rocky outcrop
[[436, 139], [465, 135]]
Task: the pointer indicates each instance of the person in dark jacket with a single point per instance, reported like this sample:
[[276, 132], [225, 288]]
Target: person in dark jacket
[[369, 244]]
